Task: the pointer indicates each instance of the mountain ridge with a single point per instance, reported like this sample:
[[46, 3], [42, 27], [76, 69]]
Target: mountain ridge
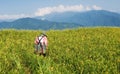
[[66, 20], [89, 18], [35, 24]]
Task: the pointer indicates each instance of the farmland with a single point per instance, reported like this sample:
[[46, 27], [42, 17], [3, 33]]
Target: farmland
[[76, 51]]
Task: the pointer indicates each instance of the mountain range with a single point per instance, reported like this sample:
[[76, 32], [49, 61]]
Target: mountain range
[[35, 24], [66, 20], [89, 18]]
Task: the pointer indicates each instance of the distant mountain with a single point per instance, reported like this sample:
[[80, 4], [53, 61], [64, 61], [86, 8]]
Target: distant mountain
[[35, 24], [89, 18], [66, 20]]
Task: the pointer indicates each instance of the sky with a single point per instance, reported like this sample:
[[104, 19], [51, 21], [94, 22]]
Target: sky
[[13, 9]]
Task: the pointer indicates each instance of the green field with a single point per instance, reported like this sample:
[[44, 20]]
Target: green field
[[76, 51]]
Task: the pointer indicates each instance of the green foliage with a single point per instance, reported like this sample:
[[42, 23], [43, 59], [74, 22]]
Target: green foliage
[[78, 51]]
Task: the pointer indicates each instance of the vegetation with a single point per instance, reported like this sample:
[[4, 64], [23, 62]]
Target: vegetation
[[78, 51]]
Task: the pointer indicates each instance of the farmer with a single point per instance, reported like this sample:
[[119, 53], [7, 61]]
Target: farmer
[[41, 43]]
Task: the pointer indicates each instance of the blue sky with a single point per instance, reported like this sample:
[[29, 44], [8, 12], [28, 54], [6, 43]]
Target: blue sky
[[12, 9]]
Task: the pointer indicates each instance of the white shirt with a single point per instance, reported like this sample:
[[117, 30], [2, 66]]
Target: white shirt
[[41, 38]]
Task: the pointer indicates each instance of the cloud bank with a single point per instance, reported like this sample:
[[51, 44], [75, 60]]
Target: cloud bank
[[6, 16], [62, 8]]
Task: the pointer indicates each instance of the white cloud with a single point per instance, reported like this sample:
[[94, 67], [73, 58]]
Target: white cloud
[[88, 8], [60, 8], [95, 7], [6, 16]]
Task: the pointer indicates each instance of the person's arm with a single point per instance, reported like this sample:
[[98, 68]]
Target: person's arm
[[36, 40], [46, 41]]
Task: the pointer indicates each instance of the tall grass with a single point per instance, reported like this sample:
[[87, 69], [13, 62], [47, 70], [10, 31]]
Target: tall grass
[[78, 51]]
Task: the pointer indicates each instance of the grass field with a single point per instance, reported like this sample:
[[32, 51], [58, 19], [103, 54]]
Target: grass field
[[77, 51]]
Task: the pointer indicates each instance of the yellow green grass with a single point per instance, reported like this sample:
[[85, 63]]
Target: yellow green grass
[[77, 51]]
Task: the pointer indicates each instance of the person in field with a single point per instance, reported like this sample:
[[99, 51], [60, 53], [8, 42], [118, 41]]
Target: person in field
[[41, 44]]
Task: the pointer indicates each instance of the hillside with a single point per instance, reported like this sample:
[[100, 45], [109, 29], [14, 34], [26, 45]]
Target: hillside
[[68, 20], [77, 51], [89, 18], [36, 24]]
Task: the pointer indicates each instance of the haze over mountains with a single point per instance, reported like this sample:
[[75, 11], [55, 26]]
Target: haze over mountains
[[66, 20]]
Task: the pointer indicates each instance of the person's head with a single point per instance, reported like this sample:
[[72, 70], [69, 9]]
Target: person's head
[[37, 36], [44, 34]]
